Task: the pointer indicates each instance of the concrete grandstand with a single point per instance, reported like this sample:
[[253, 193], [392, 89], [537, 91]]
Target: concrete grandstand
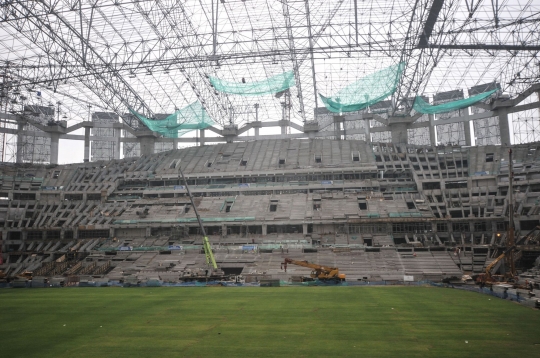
[[377, 211]]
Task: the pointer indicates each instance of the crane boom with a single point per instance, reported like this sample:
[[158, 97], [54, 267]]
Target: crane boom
[[501, 256], [487, 276], [210, 260]]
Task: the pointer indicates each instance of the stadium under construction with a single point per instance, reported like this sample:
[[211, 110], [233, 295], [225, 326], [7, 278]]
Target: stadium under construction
[[377, 211], [380, 139]]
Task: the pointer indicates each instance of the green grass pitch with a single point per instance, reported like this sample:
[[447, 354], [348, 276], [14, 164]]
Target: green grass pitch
[[264, 322]]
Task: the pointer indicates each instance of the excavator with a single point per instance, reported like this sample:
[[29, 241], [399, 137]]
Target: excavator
[[487, 278], [323, 273]]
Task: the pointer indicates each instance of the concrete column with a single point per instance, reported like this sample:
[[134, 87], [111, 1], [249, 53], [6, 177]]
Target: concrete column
[[86, 144], [504, 126], [449, 227], [264, 229], [258, 123], [111, 232], [283, 129], [148, 232], [148, 144], [494, 226], [368, 130], [517, 224], [202, 137], [75, 232], [432, 129], [467, 130], [175, 143], [399, 133], [223, 230], [20, 144], [3, 238], [116, 143], [337, 126], [305, 229], [55, 142]]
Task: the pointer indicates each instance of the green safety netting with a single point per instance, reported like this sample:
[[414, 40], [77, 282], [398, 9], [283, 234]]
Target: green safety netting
[[180, 122], [271, 85], [422, 106], [366, 91]]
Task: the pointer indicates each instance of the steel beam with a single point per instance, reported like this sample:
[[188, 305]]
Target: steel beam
[[481, 46], [430, 23]]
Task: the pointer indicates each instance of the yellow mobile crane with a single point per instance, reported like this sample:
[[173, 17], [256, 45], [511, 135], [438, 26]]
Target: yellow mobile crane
[[215, 274], [323, 273], [508, 255], [487, 277], [210, 260]]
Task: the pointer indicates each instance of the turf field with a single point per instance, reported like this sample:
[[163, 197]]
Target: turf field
[[264, 322]]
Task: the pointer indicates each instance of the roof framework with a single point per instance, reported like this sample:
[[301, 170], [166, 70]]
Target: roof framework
[[156, 56]]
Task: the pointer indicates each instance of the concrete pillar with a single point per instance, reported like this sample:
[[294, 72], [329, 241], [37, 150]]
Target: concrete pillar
[[432, 129], [399, 133], [504, 126], [111, 232], [258, 123], [86, 144], [467, 130], [202, 137], [517, 224], [264, 229], [148, 144], [283, 129], [223, 230], [116, 143], [368, 130], [148, 232], [305, 229], [75, 232], [337, 129], [55, 142], [3, 238], [337, 126], [20, 146], [175, 143], [494, 227]]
